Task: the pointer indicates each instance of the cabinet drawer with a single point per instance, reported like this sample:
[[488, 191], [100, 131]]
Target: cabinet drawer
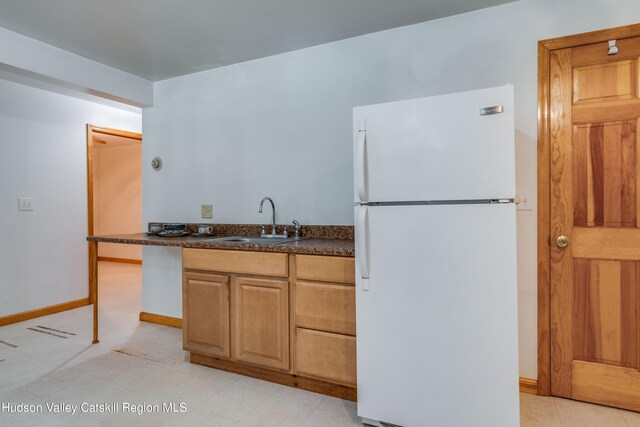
[[326, 268], [326, 355], [261, 263], [326, 306]]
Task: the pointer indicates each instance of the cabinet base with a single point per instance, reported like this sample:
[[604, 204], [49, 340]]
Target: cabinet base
[[310, 384]]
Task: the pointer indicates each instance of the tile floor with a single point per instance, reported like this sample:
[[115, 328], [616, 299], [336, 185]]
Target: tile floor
[[143, 363]]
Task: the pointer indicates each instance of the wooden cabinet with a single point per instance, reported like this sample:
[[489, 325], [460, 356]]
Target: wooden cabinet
[[281, 317], [325, 316], [262, 322], [205, 299], [231, 315]]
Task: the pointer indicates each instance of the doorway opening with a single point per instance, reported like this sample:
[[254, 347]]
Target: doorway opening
[[114, 174]]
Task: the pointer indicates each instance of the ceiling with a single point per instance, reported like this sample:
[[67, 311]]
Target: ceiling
[[159, 39]]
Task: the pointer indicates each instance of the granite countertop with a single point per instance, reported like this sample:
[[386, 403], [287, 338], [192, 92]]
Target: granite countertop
[[310, 246]]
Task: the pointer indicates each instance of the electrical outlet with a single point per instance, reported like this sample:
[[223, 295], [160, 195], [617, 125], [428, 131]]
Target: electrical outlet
[[206, 211], [525, 201], [26, 204]]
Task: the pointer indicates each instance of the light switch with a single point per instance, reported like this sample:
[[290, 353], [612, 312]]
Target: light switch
[[26, 204], [525, 203], [206, 211]]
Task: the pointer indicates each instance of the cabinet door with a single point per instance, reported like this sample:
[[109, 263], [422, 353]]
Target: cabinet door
[[206, 314], [262, 322]]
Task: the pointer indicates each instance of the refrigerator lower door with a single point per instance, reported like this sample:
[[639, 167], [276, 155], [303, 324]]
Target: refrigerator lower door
[[437, 317]]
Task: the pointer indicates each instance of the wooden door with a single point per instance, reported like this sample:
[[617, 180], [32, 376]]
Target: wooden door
[[595, 184], [205, 299], [262, 322]]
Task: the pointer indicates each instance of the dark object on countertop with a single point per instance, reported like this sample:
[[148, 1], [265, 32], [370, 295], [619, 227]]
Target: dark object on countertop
[[174, 233], [174, 226]]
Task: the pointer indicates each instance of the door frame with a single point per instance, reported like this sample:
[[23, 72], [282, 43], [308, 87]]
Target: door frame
[[545, 47], [92, 130]]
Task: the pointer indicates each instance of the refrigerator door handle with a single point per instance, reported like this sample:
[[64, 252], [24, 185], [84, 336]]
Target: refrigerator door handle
[[360, 162], [363, 256]]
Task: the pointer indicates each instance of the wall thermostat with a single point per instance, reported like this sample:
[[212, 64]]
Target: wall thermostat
[[156, 163]]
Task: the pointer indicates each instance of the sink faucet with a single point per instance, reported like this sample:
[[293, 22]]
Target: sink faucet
[[273, 218]]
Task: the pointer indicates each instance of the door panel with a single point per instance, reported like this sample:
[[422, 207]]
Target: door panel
[[607, 81], [606, 243], [447, 137], [441, 309], [595, 280], [608, 385], [604, 174], [605, 296]]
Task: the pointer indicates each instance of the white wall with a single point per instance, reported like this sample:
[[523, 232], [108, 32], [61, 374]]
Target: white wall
[[281, 126], [117, 196], [43, 254]]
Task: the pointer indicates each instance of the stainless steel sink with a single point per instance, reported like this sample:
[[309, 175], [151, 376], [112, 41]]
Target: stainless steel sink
[[265, 240]]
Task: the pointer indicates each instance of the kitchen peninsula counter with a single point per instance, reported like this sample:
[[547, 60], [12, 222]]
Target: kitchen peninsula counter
[[330, 241]]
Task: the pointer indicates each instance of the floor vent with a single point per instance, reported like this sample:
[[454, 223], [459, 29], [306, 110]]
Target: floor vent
[[8, 344], [56, 330], [48, 333]]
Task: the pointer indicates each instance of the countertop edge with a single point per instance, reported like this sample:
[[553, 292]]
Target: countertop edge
[[303, 247]]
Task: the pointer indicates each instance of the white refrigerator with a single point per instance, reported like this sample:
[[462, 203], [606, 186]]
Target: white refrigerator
[[436, 295]]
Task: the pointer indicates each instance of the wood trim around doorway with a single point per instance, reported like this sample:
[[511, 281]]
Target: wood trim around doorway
[[91, 130], [545, 47]]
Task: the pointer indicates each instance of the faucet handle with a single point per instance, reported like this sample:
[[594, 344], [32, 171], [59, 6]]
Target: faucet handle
[[286, 232], [264, 230], [297, 225]]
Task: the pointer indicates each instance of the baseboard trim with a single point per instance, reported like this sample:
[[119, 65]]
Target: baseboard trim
[[174, 322], [122, 260], [45, 311], [528, 385]]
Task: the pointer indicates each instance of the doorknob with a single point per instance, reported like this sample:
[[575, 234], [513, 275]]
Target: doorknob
[[562, 241]]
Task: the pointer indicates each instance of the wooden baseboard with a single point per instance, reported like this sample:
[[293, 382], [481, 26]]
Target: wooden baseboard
[[528, 385], [161, 320], [45, 311], [122, 260], [310, 384]]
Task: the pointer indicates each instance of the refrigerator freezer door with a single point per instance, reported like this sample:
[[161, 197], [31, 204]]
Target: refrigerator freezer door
[[436, 148], [437, 327]]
